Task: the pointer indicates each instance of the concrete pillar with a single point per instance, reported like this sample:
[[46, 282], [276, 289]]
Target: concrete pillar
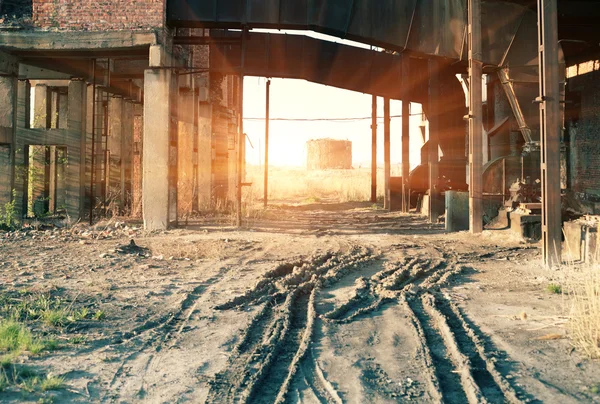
[[41, 108], [387, 153], [115, 138], [205, 155], [157, 128], [63, 110], [475, 119], [75, 172], [8, 118], [434, 128], [136, 169], [185, 153], [19, 154], [126, 153]]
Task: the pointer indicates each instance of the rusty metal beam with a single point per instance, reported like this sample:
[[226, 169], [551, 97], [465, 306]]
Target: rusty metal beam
[[374, 149], [550, 128], [475, 119], [433, 142], [405, 132], [386, 152], [267, 118]]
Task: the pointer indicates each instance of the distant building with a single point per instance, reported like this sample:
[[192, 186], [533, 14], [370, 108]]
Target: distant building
[[329, 153]]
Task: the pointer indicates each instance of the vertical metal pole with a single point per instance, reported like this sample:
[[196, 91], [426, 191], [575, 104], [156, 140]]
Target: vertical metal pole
[[267, 117], [550, 131], [405, 132], [475, 119], [374, 149], [386, 151], [433, 116], [241, 138], [92, 174]]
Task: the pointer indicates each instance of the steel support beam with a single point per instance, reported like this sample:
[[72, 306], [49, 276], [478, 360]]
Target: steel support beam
[[433, 142], [550, 129], [267, 118], [475, 119], [240, 152], [386, 152], [374, 149], [405, 132]]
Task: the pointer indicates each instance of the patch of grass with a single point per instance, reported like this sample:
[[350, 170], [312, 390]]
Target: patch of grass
[[595, 388], [99, 315], [46, 400], [16, 337], [554, 288], [30, 384], [6, 360], [56, 318], [52, 383], [80, 339], [3, 381]]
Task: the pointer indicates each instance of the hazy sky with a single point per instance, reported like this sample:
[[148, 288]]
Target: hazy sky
[[302, 99]]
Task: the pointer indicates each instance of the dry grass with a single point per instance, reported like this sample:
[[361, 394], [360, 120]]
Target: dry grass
[[312, 186], [583, 289]]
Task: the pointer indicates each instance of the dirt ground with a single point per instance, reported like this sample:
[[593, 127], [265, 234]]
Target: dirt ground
[[312, 303]]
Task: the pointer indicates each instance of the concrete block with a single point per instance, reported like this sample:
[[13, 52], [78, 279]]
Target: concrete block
[[457, 211], [528, 226]]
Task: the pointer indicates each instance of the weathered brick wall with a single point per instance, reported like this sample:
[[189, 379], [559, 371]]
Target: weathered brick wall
[[583, 126], [94, 15]]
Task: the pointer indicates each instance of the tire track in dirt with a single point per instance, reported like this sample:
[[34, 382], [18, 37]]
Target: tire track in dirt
[[273, 351], [455, 359], [152, 335]]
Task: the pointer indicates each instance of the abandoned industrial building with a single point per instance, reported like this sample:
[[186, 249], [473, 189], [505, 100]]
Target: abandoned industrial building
[[135, 109]]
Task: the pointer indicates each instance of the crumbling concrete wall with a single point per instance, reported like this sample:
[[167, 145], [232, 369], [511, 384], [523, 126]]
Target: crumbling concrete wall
[[583, 132], [324, 154], [92, 15]]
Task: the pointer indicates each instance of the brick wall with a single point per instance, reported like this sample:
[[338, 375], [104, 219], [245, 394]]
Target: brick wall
[[583, 131], [94, 15]]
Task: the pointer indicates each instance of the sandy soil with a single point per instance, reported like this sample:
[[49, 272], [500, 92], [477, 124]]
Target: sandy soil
[[313, 303]]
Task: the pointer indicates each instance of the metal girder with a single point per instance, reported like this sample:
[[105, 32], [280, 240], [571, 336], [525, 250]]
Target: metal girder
[[405, 132], [301, 57], [374, 149], [387, 153], [550, 129], [433, 116]]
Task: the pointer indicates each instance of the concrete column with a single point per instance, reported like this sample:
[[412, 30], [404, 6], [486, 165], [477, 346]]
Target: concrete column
[[19, 153], [115, 138], [185, 153], [434, 128], [374, 149], [8, 122], [75, 172], [475, 119], [126, 152], [550, 131], [136, 170], [386, 152], [157, 128], [41, 108]]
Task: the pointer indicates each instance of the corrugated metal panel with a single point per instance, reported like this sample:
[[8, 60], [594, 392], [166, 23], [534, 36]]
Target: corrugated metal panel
[[429, 27]]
